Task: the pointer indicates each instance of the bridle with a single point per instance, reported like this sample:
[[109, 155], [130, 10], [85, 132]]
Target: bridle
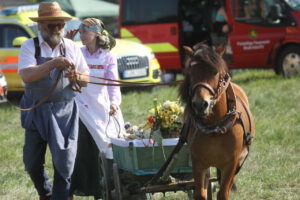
[[216, 93], [222, 126]]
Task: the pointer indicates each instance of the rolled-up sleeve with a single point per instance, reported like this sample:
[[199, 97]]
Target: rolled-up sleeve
[[112, 73], [26, 56]]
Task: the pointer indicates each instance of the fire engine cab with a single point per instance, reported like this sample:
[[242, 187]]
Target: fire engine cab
[[262, 33]]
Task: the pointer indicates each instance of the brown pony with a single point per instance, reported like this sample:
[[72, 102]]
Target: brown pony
[[221, 127]]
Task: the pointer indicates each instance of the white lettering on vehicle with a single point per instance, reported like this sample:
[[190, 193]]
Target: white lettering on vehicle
[[253, 45]]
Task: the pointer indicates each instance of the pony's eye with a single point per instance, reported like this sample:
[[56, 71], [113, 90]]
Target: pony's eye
[[215, 73]]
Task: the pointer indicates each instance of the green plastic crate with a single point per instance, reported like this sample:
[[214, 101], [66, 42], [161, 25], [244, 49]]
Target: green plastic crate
[[141, 160]]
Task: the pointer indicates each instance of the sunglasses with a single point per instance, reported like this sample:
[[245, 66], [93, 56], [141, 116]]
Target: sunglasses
[[58, 25]]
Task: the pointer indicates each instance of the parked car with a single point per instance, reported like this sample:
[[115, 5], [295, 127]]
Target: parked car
[[136, 62]]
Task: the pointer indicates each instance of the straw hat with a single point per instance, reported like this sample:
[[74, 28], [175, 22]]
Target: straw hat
[[50, 11]]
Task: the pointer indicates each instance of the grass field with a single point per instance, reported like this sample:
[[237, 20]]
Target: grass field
[[272, 171]]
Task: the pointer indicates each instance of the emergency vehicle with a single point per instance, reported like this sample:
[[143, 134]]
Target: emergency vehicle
[[136, 62], [264, 33]]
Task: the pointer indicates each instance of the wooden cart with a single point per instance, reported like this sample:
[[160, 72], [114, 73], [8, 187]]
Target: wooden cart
[[135, 164]]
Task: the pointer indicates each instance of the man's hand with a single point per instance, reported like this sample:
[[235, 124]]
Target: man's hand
[[34, 73], [61, 63], [82, 78]]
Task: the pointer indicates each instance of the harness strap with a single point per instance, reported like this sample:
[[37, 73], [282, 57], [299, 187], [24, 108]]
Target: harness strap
[[182, 140], [227, 122], [247, 133], [248, 136]]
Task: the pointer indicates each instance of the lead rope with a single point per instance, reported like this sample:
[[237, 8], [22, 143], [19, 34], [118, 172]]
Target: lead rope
[[44, 99], [116, 123]]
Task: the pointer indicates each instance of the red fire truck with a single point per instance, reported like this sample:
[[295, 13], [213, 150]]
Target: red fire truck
[[264, 33]]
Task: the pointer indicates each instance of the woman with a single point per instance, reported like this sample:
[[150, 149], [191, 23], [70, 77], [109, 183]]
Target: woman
[[99, 107]]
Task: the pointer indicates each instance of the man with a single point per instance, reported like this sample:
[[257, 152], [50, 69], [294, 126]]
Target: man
[[43, 62]]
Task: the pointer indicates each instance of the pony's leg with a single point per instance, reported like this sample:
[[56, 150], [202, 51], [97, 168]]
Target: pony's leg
[[200, 192], [233, 185], [227, 179]]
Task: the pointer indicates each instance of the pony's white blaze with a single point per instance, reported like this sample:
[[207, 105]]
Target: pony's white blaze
[[204, 96]]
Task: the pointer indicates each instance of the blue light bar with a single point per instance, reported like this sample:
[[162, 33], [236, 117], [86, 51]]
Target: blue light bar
[[17, 9]]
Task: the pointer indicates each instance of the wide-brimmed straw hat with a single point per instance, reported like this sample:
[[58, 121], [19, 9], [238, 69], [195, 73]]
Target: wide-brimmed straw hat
[[50, 11]]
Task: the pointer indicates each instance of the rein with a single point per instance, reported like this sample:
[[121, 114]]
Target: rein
[[44, 98], [74, 85], [77, 88], [128, 83]]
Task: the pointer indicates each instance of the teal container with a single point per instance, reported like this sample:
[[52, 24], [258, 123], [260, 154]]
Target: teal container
[[148, 159]]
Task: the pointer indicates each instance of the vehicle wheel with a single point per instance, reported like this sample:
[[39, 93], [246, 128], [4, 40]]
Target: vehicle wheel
[[106, 185], [117, 183], [168, 76], [288, 62]]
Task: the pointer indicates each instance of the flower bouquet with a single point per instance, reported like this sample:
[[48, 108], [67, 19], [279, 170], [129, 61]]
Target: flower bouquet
[[165, 120]]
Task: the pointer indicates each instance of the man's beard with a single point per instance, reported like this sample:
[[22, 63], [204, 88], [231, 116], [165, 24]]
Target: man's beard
[[51, 37]]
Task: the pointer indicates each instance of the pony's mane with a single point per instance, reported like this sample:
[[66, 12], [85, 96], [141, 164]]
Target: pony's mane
[[206, 56], [201, 55]]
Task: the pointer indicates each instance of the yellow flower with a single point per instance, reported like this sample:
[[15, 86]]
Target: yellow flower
[[167, 116]]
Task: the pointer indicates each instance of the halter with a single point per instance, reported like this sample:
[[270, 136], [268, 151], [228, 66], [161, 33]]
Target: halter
[[216, 94]]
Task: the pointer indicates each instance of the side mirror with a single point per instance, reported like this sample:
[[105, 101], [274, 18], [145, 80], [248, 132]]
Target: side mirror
[[18, 41], [276, 12]]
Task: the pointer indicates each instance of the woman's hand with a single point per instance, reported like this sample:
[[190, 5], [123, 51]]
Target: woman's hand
[[71, 34], [113, 109]]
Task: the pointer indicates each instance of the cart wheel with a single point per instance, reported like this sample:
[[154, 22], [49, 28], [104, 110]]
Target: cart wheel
[[190, 194], [117, 183], [106, 185]]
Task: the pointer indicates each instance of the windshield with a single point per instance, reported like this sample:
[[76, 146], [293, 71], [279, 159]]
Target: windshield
[[148, 12], [294, 4], [70, 25]]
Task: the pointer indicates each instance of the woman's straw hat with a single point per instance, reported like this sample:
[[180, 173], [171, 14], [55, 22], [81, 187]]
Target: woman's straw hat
[[50, 11]]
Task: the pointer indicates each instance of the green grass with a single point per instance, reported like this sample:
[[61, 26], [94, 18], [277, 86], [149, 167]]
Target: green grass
[[272, 171]]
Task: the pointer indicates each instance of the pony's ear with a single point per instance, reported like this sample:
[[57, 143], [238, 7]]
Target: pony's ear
[[221, 49], [188, 51]]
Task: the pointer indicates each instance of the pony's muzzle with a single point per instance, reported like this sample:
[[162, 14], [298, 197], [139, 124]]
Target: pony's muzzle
[[200, 106]]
